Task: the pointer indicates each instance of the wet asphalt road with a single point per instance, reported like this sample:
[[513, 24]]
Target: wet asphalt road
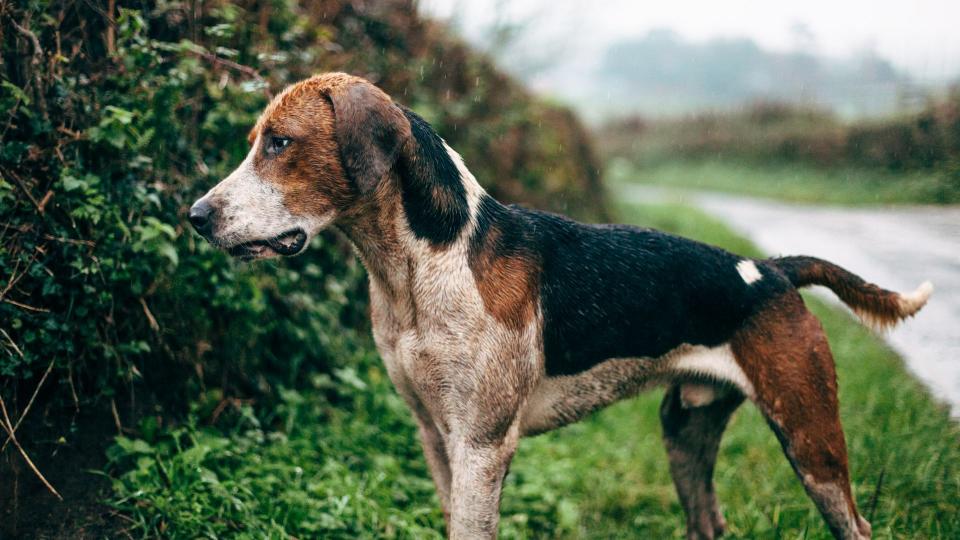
[[897, 248]]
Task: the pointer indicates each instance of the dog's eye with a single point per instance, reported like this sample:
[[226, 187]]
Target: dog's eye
[[276, 144]]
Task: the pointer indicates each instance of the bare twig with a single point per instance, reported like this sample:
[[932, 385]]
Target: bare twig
[[14, 278], [116, 416], [111, 27], [9, 429], [154, 325], [27, 191], [46, 198], [35, 61], [12, 343], [25, 306], [70, 240], [25, 32], [29, 403]]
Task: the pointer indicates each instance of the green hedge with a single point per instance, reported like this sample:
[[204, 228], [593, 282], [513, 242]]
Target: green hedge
[[100, 158]]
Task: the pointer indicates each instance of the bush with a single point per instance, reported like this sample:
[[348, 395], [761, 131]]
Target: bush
[[105, 280]]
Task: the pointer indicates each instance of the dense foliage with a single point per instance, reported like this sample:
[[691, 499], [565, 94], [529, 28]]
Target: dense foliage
[[117, 115]]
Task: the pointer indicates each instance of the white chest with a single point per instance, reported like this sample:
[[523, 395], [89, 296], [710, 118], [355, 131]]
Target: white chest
[[429, 316], [438, 341]]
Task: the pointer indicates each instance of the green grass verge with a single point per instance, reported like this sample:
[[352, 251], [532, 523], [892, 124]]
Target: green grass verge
[[349, 466], [792, 182]]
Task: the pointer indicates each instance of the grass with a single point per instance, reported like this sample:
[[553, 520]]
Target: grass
[[342, 460], [792, 182]]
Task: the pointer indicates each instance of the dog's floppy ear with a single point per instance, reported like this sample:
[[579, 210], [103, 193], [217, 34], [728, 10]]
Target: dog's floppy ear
[[370, 131]]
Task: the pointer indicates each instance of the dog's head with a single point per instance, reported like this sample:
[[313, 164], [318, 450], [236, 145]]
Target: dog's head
[[318, 148]]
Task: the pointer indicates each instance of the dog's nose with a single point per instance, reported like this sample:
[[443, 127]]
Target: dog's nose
[[201, 217]]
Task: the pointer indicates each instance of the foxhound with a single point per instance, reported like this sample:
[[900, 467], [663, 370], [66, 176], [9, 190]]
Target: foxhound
[[497, 322]]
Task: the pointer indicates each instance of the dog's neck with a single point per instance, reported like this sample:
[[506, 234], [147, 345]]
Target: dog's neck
[[418, 212], [374, 230]]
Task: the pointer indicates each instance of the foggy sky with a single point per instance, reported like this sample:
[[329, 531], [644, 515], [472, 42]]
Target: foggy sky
[[920, 37]]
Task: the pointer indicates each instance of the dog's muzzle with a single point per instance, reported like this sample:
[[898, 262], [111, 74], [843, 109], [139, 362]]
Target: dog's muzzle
[[203, 216]]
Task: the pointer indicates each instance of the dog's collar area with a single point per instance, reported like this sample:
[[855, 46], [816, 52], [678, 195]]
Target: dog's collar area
[[287, 244]]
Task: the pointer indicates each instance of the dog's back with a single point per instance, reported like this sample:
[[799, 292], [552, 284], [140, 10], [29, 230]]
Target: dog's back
[[616, 291]]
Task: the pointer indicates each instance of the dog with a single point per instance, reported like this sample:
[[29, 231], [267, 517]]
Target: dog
[[497, 322]]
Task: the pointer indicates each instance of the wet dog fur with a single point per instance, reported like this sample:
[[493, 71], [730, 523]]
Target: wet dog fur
[[497, 322]]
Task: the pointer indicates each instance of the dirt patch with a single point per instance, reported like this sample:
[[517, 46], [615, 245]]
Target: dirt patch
[[29, 510]]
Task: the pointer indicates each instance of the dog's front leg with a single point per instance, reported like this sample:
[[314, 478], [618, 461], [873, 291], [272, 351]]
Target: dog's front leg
[[435, 451], [478, 471]]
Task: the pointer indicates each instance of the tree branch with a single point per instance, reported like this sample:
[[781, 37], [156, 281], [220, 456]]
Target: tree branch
[[5, 422]]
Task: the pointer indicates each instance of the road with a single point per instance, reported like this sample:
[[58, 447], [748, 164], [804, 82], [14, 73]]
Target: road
[[897, 248]]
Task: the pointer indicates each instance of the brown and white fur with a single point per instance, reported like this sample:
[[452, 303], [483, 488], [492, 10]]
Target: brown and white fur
[[496, 322]]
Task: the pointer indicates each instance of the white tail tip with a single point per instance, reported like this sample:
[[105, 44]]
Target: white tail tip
[[912, 302]]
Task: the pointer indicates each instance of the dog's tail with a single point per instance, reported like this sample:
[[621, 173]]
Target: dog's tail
[[876, 307]]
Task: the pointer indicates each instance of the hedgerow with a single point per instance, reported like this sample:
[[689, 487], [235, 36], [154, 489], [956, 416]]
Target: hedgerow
[[117, 115], [925, 142], [103, 280]]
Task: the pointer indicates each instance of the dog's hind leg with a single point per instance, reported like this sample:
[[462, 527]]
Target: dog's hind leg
[[692, 437], [785, 354]]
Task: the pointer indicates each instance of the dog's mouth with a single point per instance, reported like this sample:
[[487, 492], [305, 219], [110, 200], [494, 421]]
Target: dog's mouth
[[287, 244]]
